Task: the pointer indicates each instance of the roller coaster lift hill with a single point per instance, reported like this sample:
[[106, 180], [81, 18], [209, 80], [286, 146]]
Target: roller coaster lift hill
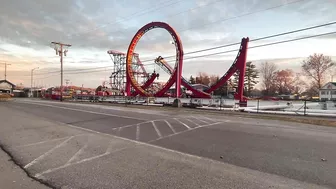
[[239, 64]]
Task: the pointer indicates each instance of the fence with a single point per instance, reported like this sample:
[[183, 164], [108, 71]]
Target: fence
[[253, 106]]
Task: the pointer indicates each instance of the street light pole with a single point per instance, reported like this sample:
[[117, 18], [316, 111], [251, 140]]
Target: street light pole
[[31, 81], [6, 69]]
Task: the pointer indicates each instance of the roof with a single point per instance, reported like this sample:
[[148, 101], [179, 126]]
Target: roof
[[325, 87], [198, 85], [115, 52], [5, 81]]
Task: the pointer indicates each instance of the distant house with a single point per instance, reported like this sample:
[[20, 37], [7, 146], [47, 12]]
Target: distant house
[[6, 86], [200, 87], [328, 92]]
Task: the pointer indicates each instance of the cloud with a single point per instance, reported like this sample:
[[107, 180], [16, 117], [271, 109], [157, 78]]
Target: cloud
[[93, 27]]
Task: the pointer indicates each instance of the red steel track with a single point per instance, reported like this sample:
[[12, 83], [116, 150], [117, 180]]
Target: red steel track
[[184, 82], [239, 64], [147, 83], [176, 75]]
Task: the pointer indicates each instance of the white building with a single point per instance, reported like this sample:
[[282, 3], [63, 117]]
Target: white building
[[6, 86], [328, 92]]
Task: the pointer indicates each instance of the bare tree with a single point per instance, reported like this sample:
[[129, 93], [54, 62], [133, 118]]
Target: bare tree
[[299, 84], [316, 66], [267, 72], [203, 78], [285, 81]]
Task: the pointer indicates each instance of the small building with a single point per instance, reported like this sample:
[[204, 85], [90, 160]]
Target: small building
[[328, 92], [200, 87], [6, 86]]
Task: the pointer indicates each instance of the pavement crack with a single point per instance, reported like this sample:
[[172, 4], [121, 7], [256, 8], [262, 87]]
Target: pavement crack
[[24, 170]]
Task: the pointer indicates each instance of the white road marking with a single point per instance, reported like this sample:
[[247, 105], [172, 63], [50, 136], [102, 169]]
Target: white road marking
[[182, 123], [119, 131], [137, 136], [207, 118], [124, 109], [78, 162], [199, 119], [211, 124], [47, 153], [149, 121], [170, 126], [87, 111], [42, 142], [133, 141], [156, 129], [193, 122], [80, 151]]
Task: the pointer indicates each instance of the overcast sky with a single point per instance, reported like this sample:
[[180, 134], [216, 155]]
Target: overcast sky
[[93, 27]]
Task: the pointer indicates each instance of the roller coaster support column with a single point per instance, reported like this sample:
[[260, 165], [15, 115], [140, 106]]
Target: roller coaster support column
[[128, 86], [177, 101], [242, 69], [178, 77]]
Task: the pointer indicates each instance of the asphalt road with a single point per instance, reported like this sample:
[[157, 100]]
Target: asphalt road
[[165, 149]]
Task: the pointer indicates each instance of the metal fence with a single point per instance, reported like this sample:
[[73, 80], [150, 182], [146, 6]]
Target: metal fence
[[253, 106]]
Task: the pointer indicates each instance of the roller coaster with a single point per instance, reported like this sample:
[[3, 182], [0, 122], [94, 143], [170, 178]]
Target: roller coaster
[[128, 69]]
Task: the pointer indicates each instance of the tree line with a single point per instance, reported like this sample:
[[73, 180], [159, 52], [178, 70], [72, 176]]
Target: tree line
[[314, 74], [274, 81]]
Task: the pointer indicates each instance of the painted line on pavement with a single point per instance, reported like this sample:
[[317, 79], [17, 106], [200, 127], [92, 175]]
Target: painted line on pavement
[[87, 111]]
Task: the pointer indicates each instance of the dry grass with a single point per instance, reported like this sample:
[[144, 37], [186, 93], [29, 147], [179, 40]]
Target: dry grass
[[5, 97]]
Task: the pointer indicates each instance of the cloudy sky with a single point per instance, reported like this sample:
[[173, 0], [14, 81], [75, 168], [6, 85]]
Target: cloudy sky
[[95, 26]]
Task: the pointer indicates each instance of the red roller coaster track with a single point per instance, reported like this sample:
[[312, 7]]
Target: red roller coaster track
[[239, 64], [176, 75], [149, 81]]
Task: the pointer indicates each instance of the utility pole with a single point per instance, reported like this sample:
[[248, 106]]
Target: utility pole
[[6, 69], [61, 49], [31, 81]]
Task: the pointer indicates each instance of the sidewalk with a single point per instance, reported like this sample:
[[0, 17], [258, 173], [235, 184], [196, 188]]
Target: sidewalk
[[13, 177]]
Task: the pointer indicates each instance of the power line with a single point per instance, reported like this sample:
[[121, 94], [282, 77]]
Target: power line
[[257, 39], [194, 8], [75, 71], [222, 20], [66, 71], [243, 15], [258, 46], [230, 18], [235, 50], [173, 15], [136, 14]]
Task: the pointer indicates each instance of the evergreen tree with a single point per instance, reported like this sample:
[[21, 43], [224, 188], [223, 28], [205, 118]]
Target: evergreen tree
[[250, 80], [251, 76], [192, 80]]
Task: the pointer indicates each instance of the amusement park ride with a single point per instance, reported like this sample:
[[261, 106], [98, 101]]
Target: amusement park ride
[[131, 78]]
